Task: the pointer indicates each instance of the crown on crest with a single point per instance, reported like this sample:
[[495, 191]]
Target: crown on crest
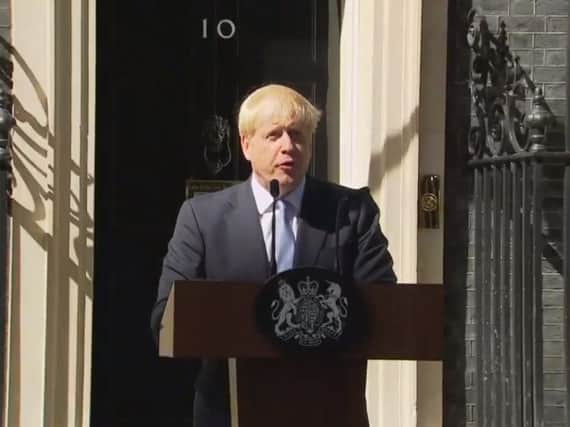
[[308, 287]]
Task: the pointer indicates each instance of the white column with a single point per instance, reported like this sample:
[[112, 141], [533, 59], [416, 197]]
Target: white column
[[49, 363], [380, 89]]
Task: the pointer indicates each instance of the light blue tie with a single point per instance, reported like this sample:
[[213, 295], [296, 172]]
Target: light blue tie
[[285, 243]]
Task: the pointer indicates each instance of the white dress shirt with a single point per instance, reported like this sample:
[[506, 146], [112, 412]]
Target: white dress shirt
[[264, 201]]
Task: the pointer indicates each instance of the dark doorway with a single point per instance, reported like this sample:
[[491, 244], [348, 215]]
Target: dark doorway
[[166, 72]]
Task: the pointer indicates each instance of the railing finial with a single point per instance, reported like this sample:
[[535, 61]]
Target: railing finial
[[538, 122], [497, 82]]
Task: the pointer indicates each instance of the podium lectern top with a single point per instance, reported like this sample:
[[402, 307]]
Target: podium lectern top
[[208, 319]]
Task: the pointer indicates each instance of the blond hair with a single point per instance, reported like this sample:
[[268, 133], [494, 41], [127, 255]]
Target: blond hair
[[276, 103]]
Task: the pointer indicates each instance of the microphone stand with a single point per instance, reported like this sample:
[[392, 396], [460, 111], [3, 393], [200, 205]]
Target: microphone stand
[[274, 190], [339, 212]]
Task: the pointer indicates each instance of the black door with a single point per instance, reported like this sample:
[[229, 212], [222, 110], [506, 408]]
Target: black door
[[170, 76]]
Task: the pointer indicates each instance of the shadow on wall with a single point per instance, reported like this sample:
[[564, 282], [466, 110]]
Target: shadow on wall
[[44, 170], [392, 152]]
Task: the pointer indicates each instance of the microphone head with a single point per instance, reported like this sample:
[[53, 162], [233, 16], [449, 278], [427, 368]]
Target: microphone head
[[274, 188]]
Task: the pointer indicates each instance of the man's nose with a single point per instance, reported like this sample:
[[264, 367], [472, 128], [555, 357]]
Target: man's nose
[[286, 141]]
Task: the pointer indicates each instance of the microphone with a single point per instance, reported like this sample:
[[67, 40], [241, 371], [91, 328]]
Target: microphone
[[274, 190], [339, 211]]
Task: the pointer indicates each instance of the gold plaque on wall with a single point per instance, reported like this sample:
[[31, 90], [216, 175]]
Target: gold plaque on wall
[[195, 187]]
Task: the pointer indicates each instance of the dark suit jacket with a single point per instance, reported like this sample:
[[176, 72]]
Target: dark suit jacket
[[218, 236]]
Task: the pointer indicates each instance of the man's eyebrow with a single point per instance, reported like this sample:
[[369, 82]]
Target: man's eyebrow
[[275, 128]]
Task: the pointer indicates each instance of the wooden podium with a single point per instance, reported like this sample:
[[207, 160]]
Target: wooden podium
[[207, 319]]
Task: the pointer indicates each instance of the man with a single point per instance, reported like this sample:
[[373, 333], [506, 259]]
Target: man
[[226, 235]]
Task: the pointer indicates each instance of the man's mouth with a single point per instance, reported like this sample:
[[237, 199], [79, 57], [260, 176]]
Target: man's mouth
[[286, 165]]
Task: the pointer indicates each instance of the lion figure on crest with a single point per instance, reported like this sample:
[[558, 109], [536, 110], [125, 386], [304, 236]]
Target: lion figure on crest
[[336, 305], [284, 316]]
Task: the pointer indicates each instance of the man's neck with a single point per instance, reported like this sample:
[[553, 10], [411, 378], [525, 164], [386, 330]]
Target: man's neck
[[283, 191], [263, 198]]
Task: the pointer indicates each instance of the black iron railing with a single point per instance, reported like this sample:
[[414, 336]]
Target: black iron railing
[[509, 246], [509, 149]]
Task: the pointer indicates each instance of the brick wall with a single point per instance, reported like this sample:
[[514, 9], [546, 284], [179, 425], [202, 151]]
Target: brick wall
[[537, 34]]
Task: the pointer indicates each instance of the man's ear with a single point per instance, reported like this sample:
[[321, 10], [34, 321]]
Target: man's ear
[[245, 146]]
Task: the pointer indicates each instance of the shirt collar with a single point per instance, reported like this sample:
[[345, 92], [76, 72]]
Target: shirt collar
[[263, 199]]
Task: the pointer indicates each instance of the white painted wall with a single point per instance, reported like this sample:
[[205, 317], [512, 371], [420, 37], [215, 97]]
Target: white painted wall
[[432, 161]]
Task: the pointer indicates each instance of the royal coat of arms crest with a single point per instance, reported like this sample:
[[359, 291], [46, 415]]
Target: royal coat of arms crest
[[306, 308]]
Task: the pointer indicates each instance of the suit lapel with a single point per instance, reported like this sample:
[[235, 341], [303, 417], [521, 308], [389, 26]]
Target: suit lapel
[[312, 230], [246, 233]]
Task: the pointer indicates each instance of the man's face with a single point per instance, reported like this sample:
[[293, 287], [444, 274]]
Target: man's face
[[279, 150]]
